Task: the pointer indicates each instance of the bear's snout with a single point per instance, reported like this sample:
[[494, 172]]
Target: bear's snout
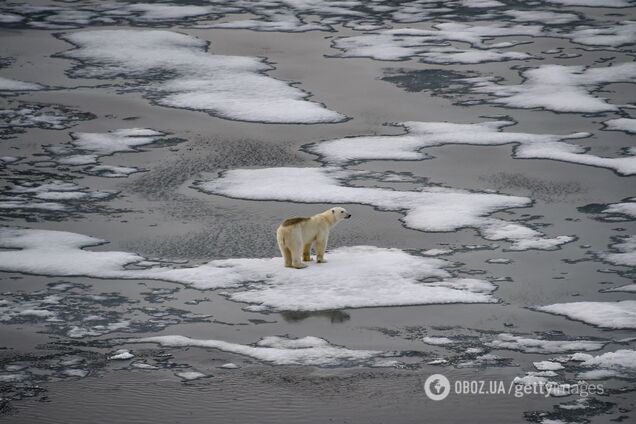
[[348, 216]]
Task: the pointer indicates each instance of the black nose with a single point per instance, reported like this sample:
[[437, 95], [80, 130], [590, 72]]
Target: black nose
[[348, 216]]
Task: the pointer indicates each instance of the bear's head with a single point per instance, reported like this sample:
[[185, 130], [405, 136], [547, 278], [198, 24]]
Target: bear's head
[[340, 213]]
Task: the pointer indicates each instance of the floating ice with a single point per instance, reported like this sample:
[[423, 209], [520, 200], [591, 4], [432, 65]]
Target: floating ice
[[428, 209], [22, 115], [542, 16], [621, 124], [625, 252], [190, 375], [121, 355], [547, 366], [311, 351], [432, 45], [421, 135], [437, 341], [358, 276], [557, 88], [229, 366], [7, 84], [608, 35], [621, 314], [175, 70], [530, 345], [621, 363]]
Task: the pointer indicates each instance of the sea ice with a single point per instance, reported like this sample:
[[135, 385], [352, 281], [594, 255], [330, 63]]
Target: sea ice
[[624, 252], [621, 314], [427, 209], [357, 276], [7, 84], [530, 345], [422, 135], [175, 70], [557, 88], [311, 351], [621, 124]]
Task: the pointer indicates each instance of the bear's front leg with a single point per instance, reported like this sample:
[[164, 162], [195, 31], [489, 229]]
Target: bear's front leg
[[321, 245], [307, 253]]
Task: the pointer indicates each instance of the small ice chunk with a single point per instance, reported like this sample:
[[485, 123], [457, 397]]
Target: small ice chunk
[[531, 345], [121, 354], [547, 366], [438, 341], [190, 375], [229, 366], [7, 84]]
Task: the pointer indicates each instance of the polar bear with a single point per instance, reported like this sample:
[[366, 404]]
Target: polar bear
[[296, 235]]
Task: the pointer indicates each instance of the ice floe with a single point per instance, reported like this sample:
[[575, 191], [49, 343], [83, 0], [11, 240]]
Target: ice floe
[[7, 84], [176, 70], [621, 124], [422, 135], [624, 252], [534, 345], [358, 276], [621, 363], [427, 209], [621, 314], [557, 88], [19, 116], [614, 35], [310, 351], [432, 45]]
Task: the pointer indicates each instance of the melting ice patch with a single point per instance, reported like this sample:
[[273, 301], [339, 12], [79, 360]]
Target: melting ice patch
[[558, 88], [22, 115], [428, 209], [621, 124], [421, 135], [175, 70], [621, 363], [432, 45], [7, 84], [621, 314], [310, 351], [624, 252], [358, 276], [534, 345]]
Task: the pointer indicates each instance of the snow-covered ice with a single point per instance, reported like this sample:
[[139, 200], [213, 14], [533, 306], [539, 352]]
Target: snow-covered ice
[[176, 70], [422, 135], [621, 124], [7, 84], [357, 276], [548, 366], [557, 88], [427, 209], [621, 314], [533, 345], [121, 355], [311, 351], [623, 251]]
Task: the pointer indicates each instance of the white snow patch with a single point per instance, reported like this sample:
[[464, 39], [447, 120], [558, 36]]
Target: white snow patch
[[427, 209], [530, 345], [557, 88], [190, 375], [422, 135], [621, 314], [547, 366], [184, 75], [121, 355], [625, 252], [312, 351], [358, 276], [437, 341], [431, 45], [7, 84], [621, 124]]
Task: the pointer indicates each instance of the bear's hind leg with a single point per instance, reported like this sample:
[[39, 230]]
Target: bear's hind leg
[[307, 252], [296, 254], [288, 257]]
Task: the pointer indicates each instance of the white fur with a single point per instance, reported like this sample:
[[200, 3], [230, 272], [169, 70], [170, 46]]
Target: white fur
[[295, 240]]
